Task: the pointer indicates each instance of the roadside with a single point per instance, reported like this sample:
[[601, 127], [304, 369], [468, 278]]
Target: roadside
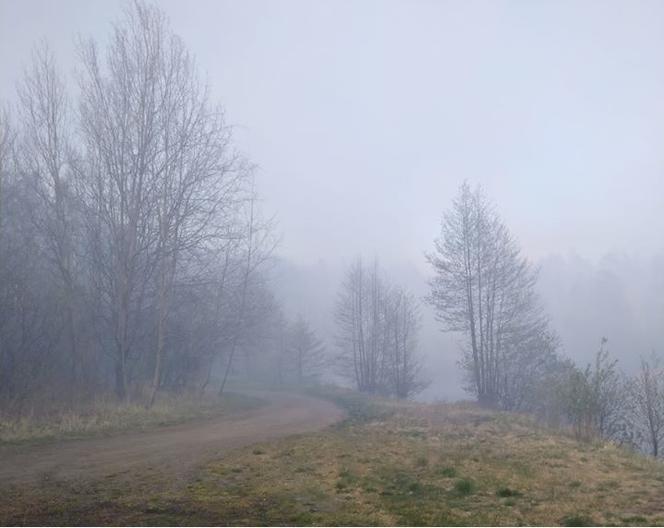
[[98, 480], [170, 448], [387, 463], [108, 417]]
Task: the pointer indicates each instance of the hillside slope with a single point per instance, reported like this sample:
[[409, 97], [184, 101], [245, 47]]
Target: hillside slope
[[414, 464], [388, 463]]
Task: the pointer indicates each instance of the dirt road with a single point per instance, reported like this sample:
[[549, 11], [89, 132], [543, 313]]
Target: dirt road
[[174, 448]]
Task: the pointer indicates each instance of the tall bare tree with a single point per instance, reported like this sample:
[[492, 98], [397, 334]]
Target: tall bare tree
[[485, 289], [353, 337], [6, 148], [119, 111], [200, 179], [161, 177], [45, 159], [138, 253], [258, 244]]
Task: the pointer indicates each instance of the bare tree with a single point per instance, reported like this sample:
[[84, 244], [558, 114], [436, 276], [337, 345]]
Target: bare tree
[[647, 396], [484, 288], [403, 322], [595, 399], [257, 248], [377, 333], [161, 178], [199, 179], [119, 111], [609, 393], [138, 255], [306, 350], [6, 148], [354, 338], [28, 334], [222, 283], [44, 156]]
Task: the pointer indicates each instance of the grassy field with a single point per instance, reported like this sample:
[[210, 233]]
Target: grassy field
[[104, 417], [387, 464]]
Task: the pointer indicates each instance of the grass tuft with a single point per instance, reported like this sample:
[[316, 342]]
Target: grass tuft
[[448, 472], [577, 520], [507, 492], [464, 486]]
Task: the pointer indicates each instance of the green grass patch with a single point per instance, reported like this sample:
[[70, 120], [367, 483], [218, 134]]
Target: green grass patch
[[447, 472], [464, 486], [577, 520]]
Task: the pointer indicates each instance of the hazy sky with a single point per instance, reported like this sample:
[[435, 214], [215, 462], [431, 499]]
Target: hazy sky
[[365, 117]]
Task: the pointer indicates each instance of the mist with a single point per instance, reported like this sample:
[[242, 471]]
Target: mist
[[210, 204], [364, 119]]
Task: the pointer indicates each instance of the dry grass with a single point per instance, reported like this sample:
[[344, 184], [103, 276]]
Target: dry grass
[[106, 416], [389, 464], [433, 465]]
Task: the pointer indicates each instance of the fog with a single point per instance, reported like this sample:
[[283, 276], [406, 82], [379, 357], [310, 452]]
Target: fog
[[364, 118]]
